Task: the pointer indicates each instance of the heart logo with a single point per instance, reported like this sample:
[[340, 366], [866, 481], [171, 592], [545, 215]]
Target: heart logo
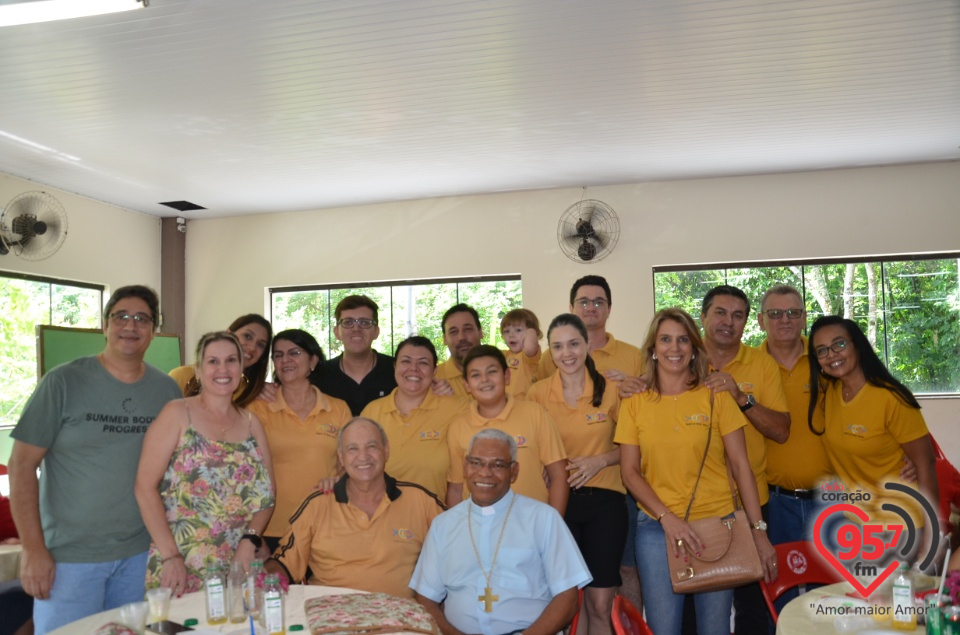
[[865, 591]]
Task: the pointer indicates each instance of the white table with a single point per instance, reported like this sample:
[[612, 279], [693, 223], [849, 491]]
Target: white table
[[10, 562], [798, 618], [193, 605]]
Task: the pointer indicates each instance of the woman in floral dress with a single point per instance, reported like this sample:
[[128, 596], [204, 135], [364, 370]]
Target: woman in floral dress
[[204, 484]]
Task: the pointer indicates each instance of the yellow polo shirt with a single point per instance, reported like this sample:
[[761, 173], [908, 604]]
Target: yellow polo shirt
[[523, 371], [303, 451], [615, 355], [345, 548], [863, 441], [418, 442], [586, 430], [672, 432], [538, 443], [801, 462], [758, 374], [448, 370]]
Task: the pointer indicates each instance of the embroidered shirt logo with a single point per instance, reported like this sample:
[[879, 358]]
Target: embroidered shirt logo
[[328, 429], [698, 419], [514, 362], [403, 534], [521, 441], [596, 417], [856, 430], [745, 386], [429, 435]]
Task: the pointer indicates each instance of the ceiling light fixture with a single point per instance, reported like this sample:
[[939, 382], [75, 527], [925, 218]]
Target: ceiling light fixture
[[35, 11]]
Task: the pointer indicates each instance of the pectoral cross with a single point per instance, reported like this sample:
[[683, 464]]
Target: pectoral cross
[[488, 599]]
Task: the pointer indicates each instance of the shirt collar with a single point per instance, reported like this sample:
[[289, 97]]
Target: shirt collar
[[340, 488], [500, 507]]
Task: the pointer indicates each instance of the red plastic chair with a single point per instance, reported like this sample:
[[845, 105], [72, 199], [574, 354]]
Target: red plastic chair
[[798, 564], [627, 619], [576, 616]]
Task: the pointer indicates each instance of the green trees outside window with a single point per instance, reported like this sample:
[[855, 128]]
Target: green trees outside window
[[406, 308], [909, 308]]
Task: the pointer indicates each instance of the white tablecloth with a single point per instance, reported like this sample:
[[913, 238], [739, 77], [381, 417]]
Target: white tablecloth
[[10, 562], [798, 617], [193, 605]]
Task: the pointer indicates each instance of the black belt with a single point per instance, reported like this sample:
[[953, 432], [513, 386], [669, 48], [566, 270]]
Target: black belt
[[802, 494]]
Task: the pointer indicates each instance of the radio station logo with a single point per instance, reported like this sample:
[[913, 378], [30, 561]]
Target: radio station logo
[[863, 548]]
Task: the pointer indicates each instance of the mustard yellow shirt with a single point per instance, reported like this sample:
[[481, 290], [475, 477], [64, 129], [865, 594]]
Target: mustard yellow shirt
[[863, 441], [801, 462], [523, 371], [671, 432], [758, 374], [615, 355], [303, 451], [418, 442], [538, 443], [586, 430], [448, 370]]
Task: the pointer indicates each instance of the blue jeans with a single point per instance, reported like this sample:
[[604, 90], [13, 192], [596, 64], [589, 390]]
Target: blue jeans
[[792, 518], [84, 588], [663, 607]]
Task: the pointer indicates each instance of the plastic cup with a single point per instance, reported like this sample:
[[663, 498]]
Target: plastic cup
[[159, 601], [134, 615]]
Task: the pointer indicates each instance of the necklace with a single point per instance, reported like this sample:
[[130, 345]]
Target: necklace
[[213, 417], [488, 598]]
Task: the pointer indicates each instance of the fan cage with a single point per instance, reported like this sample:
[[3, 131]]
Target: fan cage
[[577, 241]]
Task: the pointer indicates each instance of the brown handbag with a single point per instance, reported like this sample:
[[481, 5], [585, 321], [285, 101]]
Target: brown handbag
[[730, 558]]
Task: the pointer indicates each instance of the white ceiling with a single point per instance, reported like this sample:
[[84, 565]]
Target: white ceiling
[[249, 106]]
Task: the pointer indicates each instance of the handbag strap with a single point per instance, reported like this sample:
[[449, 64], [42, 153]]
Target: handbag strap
[[703, 461]]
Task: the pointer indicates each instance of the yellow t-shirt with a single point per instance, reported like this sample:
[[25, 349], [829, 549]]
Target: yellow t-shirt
[[586, 430], [343, 547], [863, 441], [615, 355], [448, 370], [758, 374], [801, 462], [303, 451], [538, 443], [523, 371], [672, 432], [418, 442]]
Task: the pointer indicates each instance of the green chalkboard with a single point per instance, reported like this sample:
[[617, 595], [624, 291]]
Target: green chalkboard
[[59, 344]]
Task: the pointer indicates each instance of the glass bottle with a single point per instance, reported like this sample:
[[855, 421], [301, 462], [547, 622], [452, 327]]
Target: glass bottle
[[904, 614], [236, 591], [272, 611], [215, 594], [252, 594]]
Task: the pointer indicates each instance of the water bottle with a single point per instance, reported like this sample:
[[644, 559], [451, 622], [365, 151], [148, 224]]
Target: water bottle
[[236, 600], [904, 614], [251, 592], [215, 594], [272, 611]]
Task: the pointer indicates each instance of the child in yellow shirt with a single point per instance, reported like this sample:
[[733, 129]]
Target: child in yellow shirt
[[520, 329]]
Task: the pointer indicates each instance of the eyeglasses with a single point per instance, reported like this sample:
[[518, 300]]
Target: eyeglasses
[[349, 323], [139, 319], [836, 347], [293, 352], [597, 303], [494, 466], [776, 314]]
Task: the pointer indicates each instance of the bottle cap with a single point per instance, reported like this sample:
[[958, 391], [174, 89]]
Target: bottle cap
[[295, 627], [191, 622]]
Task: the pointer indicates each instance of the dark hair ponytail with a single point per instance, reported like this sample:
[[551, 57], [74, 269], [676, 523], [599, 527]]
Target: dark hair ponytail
[[599, 382]]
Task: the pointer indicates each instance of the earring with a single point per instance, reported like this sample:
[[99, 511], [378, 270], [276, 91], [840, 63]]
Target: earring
[[693, 357], [654, 357]]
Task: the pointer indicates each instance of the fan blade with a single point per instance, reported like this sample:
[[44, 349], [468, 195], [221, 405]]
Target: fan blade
[[572, 240], [586, 213], [602, 239]]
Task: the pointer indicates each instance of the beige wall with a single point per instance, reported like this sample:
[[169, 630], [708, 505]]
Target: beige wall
[[105, 244], [231, 261]]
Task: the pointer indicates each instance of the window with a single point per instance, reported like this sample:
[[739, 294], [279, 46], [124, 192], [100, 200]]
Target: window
[[406, 308], [28, 301], [909, 307]]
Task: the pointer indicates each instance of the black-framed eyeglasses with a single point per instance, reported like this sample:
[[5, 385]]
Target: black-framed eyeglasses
[[836, 347], [496, 466], [293, 352], [776, 314], [349, 323], [597, 303], [122, 317]]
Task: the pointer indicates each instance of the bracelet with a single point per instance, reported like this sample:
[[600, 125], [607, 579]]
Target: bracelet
[[178, 555], [660, 517]]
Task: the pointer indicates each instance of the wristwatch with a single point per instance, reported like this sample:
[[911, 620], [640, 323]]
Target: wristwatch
[[251, 535], [751, 402], [760, 525]]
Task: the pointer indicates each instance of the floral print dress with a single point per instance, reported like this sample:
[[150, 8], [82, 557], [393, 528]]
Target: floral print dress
[[210, 491]]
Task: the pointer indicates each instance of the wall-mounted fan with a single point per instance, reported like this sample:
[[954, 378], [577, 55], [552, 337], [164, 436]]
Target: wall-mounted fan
[[588, 231], [33, 226]]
